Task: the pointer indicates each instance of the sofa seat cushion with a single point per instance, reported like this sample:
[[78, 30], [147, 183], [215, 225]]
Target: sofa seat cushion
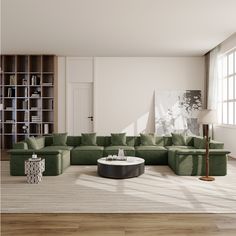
[[56, 148], [86, 155], [113, 150], [149, 148], [89, 148], [153, 155], [179, 147]]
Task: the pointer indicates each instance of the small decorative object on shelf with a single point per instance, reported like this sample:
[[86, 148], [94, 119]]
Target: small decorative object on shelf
[[25, 128], [24, 81], [12, 80]]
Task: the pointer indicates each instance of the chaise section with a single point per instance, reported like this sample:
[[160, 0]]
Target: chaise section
[[55, 161], [192, 161], [153, 155], [113, 150], [86, 155]]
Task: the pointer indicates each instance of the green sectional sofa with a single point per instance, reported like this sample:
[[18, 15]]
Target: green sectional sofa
[[183, 160]]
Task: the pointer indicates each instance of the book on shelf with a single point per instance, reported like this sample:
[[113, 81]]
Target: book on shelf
[[26, 92], [35, 119], [11, 92], [38, 129], [12, 80], [46, 129], [10, 121], [35, 80], [26, 116], [34, 108], [9, 108], [50, 104], [35, 95], [25, 104], [13, 128]]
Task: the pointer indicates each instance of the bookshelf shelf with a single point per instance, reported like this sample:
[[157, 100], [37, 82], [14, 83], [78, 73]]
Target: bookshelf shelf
[[22, 114]]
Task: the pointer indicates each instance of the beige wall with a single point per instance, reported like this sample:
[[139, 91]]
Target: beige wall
[[124, 88]]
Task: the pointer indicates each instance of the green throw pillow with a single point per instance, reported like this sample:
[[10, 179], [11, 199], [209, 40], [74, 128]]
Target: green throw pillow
[[89, 139], [179, 139], [59, 139], [32, 143], [148, 139], [118, 139]]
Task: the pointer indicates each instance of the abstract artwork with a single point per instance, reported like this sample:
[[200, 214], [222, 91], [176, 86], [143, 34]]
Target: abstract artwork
[[177, 111]]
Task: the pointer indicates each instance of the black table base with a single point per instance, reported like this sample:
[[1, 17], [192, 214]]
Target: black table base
[[120, 171]]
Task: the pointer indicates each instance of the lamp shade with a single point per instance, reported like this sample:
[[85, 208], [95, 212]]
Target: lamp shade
[[207, 117]]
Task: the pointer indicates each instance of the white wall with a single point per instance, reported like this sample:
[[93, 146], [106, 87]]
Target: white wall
[[61, 94], [124, 88], [223, 133]]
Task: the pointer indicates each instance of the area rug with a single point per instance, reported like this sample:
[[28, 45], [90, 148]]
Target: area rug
[[81, 190]]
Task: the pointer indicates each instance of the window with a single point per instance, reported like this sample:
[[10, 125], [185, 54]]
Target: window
[[227, 88]]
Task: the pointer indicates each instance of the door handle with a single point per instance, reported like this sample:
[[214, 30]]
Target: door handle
[[90, 117]]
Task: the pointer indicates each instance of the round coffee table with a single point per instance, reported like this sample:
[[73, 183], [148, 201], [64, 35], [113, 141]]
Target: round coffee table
[[132, 167]]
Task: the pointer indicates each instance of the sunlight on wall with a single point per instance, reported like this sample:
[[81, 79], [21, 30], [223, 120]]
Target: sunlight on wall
[[138, 126]]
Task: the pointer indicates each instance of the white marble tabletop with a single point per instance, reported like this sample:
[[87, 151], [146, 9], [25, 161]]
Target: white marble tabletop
[[130, 161]]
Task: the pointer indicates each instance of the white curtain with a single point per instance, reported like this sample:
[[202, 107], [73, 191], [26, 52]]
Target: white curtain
[[212, 90]]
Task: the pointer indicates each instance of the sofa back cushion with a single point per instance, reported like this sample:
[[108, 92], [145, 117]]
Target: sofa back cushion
[[73, 141], [40, 141], [32, 143], [118, 139], [148, 139], [88, 139], [178, 139], [59, 139]]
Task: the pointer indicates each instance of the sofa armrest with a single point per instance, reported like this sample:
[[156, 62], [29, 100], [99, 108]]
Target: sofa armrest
[[20, 145], [216, 145], [202, 151], [32, 151]]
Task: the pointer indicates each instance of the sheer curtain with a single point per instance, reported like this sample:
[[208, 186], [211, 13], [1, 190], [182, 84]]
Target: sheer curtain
[[212, 80]]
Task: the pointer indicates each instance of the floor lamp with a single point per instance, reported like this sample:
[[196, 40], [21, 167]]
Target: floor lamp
[[206, 118]]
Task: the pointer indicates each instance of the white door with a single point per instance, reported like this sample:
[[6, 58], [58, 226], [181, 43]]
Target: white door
[[79, 108]]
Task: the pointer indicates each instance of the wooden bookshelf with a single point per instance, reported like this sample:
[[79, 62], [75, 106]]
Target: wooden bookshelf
[[27, 97]]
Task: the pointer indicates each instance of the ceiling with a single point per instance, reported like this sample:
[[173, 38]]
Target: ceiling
[[115, 27]]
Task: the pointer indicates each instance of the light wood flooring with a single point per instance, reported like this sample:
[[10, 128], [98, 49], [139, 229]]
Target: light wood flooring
[[118, 224]]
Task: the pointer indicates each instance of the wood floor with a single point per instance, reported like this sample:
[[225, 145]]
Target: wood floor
[[118, 224]]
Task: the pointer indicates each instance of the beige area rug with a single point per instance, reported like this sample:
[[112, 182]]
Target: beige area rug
[[80, 190]]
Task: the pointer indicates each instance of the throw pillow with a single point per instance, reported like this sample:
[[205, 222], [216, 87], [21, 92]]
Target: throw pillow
[[178, 139], [32, 143], [148, 139], [59, 139], [118, 139], [88, 139]]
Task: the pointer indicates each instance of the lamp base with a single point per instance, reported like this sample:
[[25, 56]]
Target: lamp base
[[207, 178]]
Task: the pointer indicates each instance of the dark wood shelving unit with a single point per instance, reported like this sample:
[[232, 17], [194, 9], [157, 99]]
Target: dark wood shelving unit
[[27, 97]]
